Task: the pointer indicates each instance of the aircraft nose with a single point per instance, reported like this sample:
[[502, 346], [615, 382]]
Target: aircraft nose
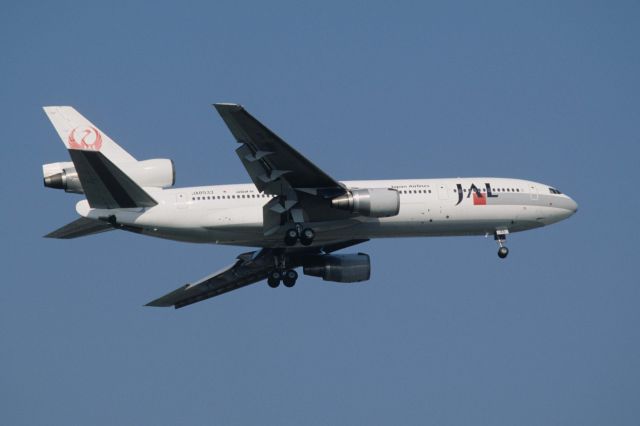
[[573, 206]]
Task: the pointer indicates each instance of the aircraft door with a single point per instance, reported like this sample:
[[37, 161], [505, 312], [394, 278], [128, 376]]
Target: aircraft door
[[534, 192]]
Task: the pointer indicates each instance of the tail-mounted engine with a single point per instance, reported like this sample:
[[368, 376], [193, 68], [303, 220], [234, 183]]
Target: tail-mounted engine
[[159, 173], [372, 202], [62, 176], [342, 268]]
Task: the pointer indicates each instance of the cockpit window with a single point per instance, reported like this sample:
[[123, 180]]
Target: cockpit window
[[554, 191]]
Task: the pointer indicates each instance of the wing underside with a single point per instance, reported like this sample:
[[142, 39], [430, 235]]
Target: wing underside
[[249, 268], [243, 272]]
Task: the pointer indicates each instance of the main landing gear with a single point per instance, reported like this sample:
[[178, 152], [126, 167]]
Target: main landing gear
[[288, 278], [305, 236], [501, 237], [282, 273]]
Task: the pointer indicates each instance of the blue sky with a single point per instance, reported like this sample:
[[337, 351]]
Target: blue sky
[[444, 333]]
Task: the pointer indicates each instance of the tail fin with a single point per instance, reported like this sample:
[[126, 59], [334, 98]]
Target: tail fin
[[99, 162], [77, 132]]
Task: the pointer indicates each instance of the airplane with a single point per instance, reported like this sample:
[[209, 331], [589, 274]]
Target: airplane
[[294, 213]]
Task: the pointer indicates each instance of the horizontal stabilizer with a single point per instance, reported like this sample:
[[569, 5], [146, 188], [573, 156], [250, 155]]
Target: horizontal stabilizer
[[105, 185], [79, 228]]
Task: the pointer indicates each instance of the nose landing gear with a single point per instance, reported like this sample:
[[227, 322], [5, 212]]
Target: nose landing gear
[[501, 237]]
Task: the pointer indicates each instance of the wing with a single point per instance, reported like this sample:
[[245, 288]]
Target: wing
[[249, 268], [303, 190], [270, 161]]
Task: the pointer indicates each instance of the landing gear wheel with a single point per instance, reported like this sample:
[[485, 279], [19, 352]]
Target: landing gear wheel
[[307, 236], [501, 237], [272, 283], [290, 237], [289, 278], [274, 279]]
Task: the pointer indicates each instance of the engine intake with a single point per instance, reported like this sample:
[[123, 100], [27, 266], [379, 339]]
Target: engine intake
[[372, 202], [341, 268]]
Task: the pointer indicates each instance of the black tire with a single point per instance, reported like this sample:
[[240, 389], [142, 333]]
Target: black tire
[[503, 252], [291, 237], [307, 236], [274, 279], [290, 277]]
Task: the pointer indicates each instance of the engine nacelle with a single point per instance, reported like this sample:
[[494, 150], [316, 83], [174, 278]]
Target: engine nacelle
[[62, 176], [372, 202], [158, 173], [341, 268]]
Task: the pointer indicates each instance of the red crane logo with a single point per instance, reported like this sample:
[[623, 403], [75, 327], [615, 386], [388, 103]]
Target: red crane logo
[[87, 138]]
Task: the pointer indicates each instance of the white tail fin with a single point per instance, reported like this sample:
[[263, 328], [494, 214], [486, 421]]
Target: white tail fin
[[79, 133]]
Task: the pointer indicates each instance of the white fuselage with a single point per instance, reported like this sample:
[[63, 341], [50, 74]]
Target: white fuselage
[[232, 214]]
